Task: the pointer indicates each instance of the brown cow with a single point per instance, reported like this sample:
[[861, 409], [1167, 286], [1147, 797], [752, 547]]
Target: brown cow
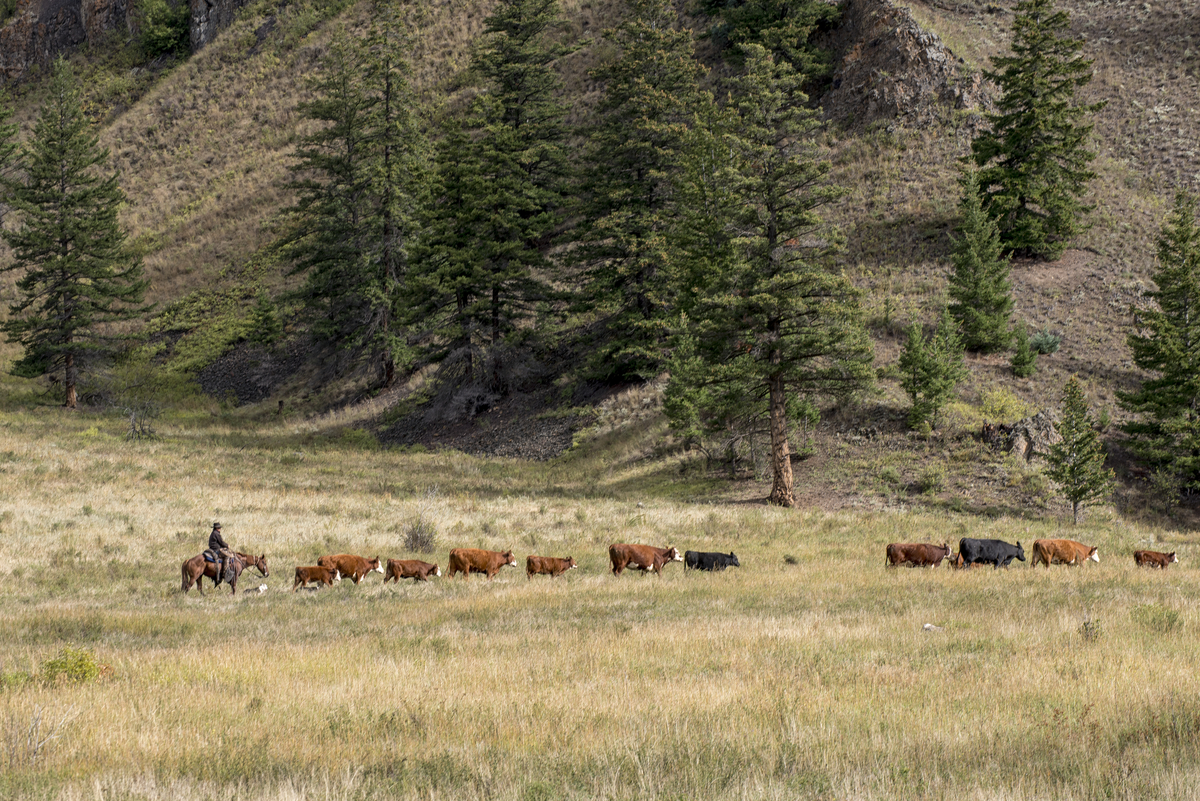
[[922, 554], [548, 565], [351, 566], [641, 557], [1154, 559], [477, 560], [317, 575], [409, 568], [1062, 552], [957, 562]]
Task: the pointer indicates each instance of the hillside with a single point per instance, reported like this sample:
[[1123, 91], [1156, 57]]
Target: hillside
[[204, 152]]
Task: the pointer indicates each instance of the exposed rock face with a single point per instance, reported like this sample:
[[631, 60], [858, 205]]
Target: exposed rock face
[[41, 29], [1026, 438], [209, 17], [889, 68]]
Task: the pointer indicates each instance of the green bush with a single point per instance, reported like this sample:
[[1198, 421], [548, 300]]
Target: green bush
[[1000, 404], [163, 27], [932, 479], [72, 665], [1044, 342]]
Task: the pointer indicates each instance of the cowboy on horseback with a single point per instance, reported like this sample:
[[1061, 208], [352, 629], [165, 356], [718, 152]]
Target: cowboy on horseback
[[222, 552]]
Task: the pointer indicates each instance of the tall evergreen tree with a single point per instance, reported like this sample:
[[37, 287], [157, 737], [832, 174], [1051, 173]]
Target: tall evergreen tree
[[361, 176], [979, 287], [628, 204], [502, 172], [398, 173], [1034, 159], [446, 298], [79, 274], [1167, 344], [931, 369], [1077, 462], [781, 326]]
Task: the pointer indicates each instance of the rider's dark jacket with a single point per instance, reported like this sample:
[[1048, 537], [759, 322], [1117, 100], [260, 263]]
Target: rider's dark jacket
[[216, 542]]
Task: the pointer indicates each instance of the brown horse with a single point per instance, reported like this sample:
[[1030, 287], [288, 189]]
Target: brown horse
[[195, 569]]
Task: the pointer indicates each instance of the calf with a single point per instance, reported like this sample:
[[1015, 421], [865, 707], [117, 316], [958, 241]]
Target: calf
[[1154, 559], [317, 575], [704, 560], [351, 566], [916, 554], [641, 557], [958, 563], [996, 553], [548, 565], [1062, 552], [409, 568], [477, 560]]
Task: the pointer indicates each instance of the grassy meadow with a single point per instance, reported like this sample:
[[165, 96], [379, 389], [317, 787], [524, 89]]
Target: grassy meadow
[[806, 673]]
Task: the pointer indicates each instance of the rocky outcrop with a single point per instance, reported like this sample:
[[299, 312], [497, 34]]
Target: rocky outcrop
[[1026, 438], [888, 67], [209, 17], [41, 29]]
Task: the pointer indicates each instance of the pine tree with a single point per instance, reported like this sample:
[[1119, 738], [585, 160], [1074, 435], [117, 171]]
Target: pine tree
[[1024, 358], [784, 27], [1077, 462], [1034, 160], [1167, 344], [398, 172], [628, 205], [979, 287], [780, 326], [931, 369], [362, 173], [79, 275], [500, 176]]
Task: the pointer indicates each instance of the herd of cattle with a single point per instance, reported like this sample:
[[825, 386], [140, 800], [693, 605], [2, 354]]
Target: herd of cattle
[[329, 569], [649, 559], [998, 553]]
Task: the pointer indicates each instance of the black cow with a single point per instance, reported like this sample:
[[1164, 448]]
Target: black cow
[[996, 553], [700, 560]]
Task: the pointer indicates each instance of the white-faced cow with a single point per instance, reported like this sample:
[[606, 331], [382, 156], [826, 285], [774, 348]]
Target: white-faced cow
[[548, 566], [351, 566], [317, 575], [1154, 559], [1062, 552], [477, 560], [409, 568], [641, 557]]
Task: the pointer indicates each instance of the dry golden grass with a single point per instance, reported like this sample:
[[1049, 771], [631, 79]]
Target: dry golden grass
[[805, 674]]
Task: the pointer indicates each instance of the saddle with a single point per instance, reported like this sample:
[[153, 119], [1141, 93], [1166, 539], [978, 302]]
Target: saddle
[[212, 556]]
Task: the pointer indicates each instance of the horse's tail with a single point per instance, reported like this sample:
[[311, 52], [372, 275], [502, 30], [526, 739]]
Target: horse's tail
[[183, 571]]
